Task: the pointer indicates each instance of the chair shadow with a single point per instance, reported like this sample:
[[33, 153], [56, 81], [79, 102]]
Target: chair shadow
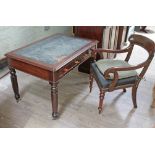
[[129, 116], [117, 98]]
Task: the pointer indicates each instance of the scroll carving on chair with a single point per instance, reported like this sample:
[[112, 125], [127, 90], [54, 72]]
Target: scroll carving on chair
[[114, 74]]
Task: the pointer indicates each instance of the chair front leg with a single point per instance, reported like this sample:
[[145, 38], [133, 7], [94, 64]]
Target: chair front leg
[[101, 98]]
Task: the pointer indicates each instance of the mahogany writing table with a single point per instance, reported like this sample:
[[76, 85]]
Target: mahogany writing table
[[49, 59]]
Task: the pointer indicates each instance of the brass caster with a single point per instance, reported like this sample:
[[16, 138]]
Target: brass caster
[[100, 110], [17, 100], [17, 97], [55, 115]]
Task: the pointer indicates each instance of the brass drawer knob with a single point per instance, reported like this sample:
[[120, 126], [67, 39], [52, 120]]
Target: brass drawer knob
[[65, 69], [77, 62]]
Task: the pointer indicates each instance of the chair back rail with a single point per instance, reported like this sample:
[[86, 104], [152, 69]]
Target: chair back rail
[[144, 42]]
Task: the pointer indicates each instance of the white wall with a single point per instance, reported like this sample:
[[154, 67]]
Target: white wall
[[13, 37]]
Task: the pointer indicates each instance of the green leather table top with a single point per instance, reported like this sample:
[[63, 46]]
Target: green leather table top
[[53, 49]]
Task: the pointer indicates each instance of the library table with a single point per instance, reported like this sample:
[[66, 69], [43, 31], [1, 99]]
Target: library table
[[50, 59]]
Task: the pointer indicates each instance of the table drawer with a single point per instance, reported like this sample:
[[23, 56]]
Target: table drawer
[[71, 65]]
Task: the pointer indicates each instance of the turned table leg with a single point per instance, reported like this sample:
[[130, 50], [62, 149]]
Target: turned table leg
[[14, 83], [54, 99]]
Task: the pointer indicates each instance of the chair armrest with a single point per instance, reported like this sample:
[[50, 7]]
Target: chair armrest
[[100, 50], [127, 50]]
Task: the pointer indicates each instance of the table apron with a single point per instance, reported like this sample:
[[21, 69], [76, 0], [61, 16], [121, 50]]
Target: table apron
[[46, 74], [30, 69]]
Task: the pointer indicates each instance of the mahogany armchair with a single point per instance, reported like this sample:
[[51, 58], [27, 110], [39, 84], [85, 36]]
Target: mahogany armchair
[[111, 74]]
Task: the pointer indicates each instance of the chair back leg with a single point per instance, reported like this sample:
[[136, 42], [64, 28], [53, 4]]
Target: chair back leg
[[134, 96]]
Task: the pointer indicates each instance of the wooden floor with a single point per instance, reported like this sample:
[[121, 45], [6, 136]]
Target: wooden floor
[[77, 106]]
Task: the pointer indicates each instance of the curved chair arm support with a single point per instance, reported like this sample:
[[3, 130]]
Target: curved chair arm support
[[114, 70], [116, 77]]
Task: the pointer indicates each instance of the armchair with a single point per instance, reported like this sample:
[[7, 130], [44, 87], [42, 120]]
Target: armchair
[[119, 74]]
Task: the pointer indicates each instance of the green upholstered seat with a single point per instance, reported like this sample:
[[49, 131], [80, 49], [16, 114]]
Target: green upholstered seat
[[105, 83], [105, 64]]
